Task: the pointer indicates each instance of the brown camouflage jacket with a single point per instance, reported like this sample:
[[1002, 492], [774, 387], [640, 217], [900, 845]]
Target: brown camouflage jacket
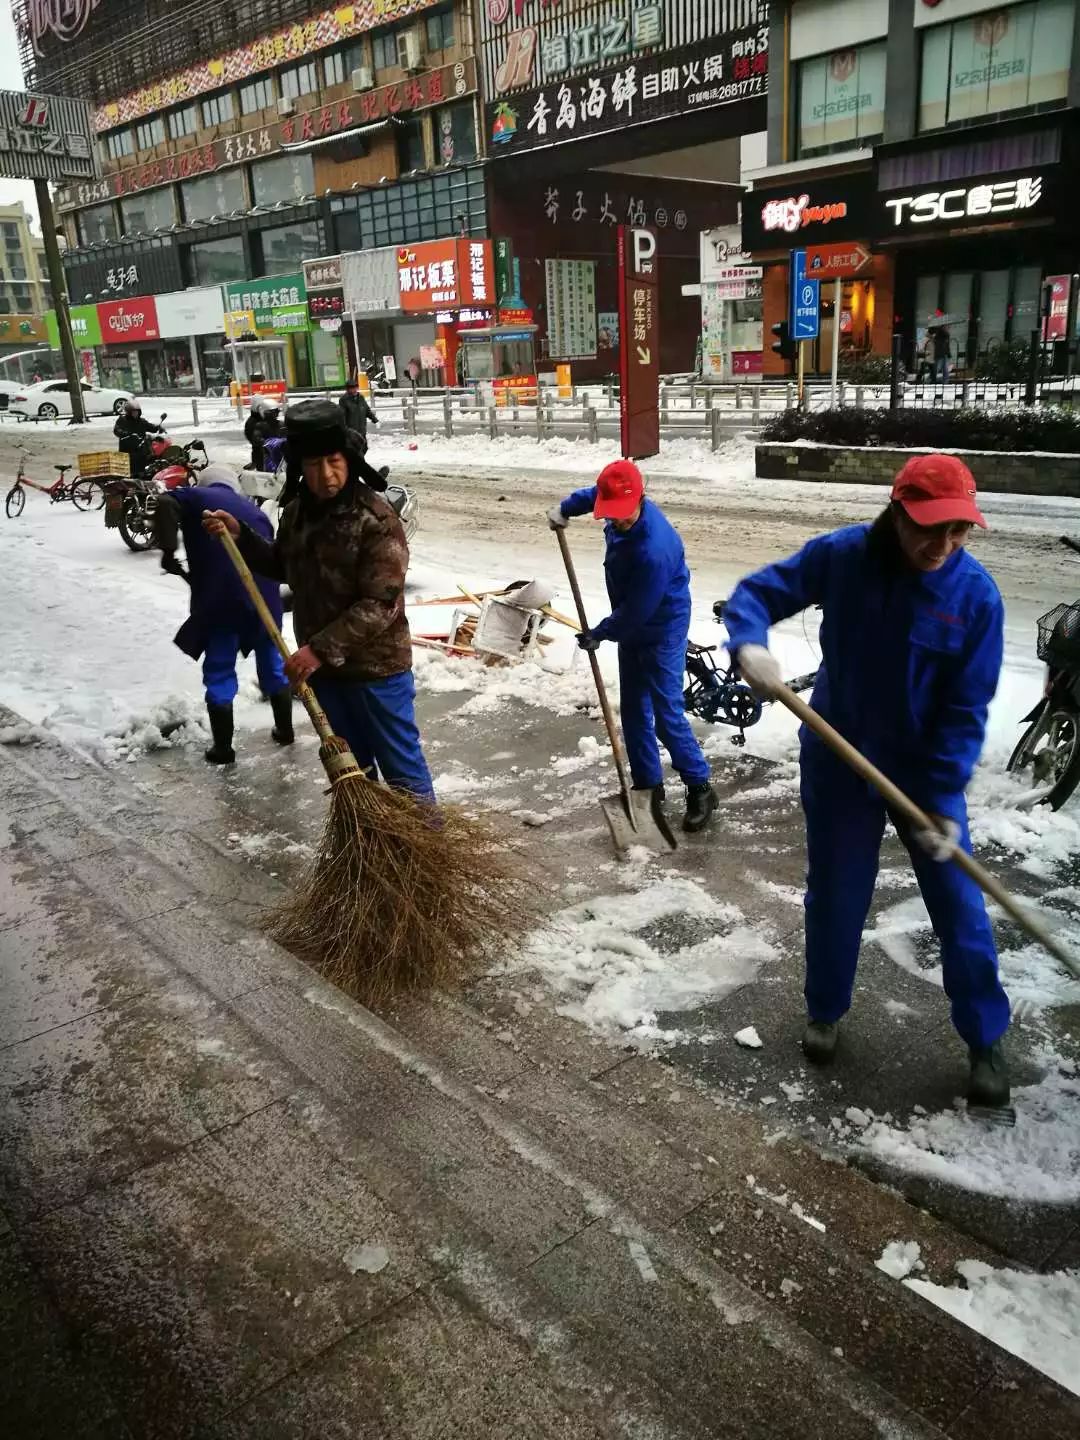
[[345, 561]]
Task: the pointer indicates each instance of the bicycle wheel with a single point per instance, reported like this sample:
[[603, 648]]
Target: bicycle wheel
[[16, 499], [87, 495], [1051, 746]]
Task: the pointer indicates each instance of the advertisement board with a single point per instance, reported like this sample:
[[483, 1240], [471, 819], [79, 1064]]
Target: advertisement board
[[124, 321], [84, 327], [445, 275], [639, 353], [809, 212], [46, 137], [191, 312]]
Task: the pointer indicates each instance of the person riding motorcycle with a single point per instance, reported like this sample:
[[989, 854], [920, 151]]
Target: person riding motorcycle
[[264, 423], [131, 430]]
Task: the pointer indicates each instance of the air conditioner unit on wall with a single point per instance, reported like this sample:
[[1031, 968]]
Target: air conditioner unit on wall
[[362, 78], [286, 105], [410, 55]]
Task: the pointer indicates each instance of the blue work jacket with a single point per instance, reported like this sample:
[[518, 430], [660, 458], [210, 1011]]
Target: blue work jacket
[[910, 660], [648, 583], [218, 598]]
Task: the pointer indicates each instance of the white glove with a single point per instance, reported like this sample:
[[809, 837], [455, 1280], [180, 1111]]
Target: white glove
[[556, 519], [940, 844], [759, 668]]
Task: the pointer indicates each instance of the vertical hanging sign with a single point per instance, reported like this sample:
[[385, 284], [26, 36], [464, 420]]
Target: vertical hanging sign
[[639, 351]]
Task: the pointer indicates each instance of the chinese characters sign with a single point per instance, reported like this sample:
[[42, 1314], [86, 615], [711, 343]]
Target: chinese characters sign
[[274, 306], [322, 274], [122, 277], [571, 309], [841, 208], [639, 353], [45, 137], [529, 58], [678, 82], [963, 203], [445, 274], [123, 321]]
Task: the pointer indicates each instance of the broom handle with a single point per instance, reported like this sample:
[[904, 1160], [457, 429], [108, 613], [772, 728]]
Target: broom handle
[[601, 689], [919, 820], [304, 691]]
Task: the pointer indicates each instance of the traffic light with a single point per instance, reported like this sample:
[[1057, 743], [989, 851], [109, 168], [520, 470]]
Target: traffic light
[[783, 345]]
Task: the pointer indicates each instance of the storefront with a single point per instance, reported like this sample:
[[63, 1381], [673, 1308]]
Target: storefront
[[372, 300], [438, 282], [326, 317], [275, 308], [731, 307], [809, 212], [192, 328], [978, 229]]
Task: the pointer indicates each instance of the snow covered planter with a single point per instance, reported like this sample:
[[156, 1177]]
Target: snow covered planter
[[1009, 472]]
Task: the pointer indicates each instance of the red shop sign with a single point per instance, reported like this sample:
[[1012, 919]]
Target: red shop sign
[[448, 274], [123, 321]]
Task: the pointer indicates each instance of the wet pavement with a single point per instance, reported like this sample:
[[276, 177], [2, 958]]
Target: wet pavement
[[235, 1204]]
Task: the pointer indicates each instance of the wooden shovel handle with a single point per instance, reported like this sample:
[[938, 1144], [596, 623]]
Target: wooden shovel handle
[[919, 820], [598, 679], [304, 691]]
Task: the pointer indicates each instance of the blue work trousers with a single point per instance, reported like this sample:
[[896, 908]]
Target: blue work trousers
[[219, 666], [651, 701], [845, 822], [377, 718]]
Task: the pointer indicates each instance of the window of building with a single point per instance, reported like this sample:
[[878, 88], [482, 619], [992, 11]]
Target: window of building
[[410, 145], [300, 80], [149, 133], [440, 29], [218, 109], [286, 177], [183, 122], [119, 143], [842, 99], [286, 247], [218, 194], [455, 133], [384, 54], [997, 61], [149, 210], [334, 72], [423, 209], [98, 223], [259, 95], [216, 262]]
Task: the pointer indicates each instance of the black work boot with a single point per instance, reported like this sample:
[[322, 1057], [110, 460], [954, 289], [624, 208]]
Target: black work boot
[[988, 1084], [701, 801], [281, 704], [221, 728], [819, 1041]]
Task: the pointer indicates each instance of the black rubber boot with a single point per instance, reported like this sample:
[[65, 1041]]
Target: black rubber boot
[[281, 704], [701, 801], [988, 1085], [221, 728], [819, 1041]]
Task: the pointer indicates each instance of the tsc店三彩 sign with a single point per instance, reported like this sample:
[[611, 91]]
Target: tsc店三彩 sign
[[46, 137]]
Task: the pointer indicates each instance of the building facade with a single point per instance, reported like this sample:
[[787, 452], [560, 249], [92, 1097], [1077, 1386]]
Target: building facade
[[23, 278]]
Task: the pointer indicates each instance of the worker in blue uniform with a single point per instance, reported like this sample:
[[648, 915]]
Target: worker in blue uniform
[[648, 585], [911, 640]]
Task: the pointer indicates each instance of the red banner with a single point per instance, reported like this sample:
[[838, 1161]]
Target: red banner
[[1057, 321], [448, 274], [639, 351], [123, 321]]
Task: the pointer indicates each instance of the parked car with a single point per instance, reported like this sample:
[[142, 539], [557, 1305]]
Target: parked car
[[50, 399]]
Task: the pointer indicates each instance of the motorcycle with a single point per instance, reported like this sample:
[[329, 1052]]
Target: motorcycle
[[129, 508], [1050, 746]]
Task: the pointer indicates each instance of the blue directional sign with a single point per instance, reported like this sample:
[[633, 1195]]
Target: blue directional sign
[[805, 299]]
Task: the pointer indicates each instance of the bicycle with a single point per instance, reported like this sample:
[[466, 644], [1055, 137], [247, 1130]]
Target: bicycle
[[80, 492]]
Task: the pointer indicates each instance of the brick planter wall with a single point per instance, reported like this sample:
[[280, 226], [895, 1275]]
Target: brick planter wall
[[1013, 473]]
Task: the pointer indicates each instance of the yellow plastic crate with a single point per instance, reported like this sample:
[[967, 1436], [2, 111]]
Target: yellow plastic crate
[[103, 462]]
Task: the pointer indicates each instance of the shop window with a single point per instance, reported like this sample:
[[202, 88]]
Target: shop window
[[149, 133], [183, 122], [410, 145], [218, 109], [216, 262], [842, 99], [150, 210], [1027, 290], [996, 61], [440, 29], [213, 195], [119, 143], [455, 133], [300, 80], [384, 53], [992, 317], [98, 223], [259, 95], [286, 247], [286, 177]]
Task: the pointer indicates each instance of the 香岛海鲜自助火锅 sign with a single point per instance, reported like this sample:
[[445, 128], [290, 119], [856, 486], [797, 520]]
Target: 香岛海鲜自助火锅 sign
[[46, 137]]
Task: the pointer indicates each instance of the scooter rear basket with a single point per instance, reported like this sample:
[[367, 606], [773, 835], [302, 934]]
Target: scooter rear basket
[[1059, 637]]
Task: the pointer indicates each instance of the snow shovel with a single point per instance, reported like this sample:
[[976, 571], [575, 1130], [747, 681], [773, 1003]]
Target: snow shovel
[[634, 816]]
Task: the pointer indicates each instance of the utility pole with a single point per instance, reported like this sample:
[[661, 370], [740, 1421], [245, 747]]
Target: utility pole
[[60, 301]]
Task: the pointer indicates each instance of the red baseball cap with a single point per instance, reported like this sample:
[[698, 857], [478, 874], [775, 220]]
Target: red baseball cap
[[619, 491], [937, 490]]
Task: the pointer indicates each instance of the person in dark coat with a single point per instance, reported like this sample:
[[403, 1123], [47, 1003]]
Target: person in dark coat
[[264, 423], [131, 430], [912, 644], [648, 584], [355, 410], [342, 549], [222, 623]]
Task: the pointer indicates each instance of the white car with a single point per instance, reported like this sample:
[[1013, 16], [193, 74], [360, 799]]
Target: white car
[[50, 399]]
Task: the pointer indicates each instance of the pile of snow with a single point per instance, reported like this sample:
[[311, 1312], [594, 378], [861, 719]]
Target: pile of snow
[[900, 1258], [607, 976], [748, 1038], [563, 692]]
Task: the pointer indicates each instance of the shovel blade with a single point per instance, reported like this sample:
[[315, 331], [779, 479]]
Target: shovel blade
[[643, 823]]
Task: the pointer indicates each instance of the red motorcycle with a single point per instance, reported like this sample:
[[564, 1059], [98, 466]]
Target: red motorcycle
[[130, 504]]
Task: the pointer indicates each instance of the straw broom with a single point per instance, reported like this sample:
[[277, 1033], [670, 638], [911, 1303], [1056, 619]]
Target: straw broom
[[400, 895]]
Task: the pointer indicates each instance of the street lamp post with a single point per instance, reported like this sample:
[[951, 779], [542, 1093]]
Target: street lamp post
[[61, 304]]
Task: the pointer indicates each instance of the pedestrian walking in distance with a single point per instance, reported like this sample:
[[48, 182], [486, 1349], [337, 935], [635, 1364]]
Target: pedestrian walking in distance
[[648, 585], [911, 639], [342, 549], [222, 623]]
